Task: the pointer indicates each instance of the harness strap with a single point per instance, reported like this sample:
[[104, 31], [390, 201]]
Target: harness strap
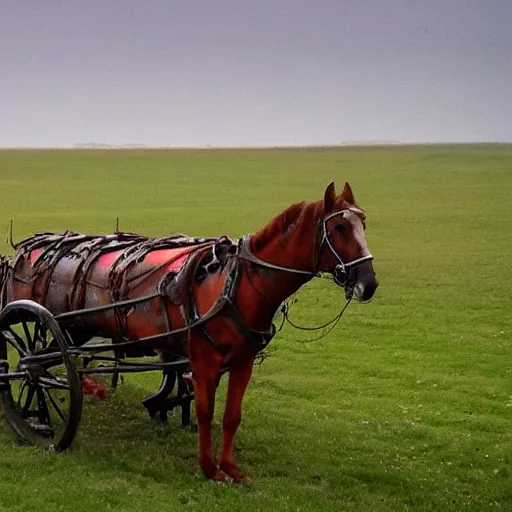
[[226, 300], [246, 254], [260, 338]]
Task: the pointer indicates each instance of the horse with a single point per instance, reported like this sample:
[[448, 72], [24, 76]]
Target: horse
[[217, 298]]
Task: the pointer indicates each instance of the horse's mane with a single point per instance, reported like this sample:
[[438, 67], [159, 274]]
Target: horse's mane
[[295, 214]]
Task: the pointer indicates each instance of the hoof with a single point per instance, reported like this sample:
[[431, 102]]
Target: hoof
[[220, 476], [232, 471], [215, 474]]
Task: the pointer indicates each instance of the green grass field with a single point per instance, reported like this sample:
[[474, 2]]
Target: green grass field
[[406, 405]]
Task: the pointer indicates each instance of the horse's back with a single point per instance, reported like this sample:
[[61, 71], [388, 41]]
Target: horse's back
[[72, 271]]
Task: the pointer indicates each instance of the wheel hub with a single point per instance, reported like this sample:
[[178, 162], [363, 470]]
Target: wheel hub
[[33, 371]]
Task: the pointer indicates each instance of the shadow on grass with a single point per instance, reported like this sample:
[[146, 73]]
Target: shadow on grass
[[119, 431]]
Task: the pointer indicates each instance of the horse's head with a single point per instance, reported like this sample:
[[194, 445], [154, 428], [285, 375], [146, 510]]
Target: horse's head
[[343, 249]]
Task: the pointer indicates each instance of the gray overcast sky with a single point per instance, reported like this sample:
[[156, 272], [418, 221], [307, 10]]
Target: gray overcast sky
[[211, 72]]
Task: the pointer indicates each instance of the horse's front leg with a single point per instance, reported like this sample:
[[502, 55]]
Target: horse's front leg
[[205, 372], [239, 377]]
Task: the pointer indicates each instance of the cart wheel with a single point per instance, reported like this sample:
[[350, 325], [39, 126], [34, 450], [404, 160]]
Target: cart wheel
[[40, 389]]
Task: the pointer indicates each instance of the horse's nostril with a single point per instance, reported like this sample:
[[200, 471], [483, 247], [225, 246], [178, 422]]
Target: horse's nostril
[[369, 290]]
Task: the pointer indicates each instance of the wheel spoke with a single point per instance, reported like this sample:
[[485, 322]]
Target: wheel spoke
[[30, 341], [53, 383], [55, 405], [28, 403], [44, 414], [20, 393], [15, 341], [37, 335], [36, 332], [42, 335]]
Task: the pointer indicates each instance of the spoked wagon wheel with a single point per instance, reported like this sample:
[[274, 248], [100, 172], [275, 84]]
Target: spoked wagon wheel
[[40, 389]]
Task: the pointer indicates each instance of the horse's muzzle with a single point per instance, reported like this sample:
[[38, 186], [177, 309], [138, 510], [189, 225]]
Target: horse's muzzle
[[359, 282], [365, 282]]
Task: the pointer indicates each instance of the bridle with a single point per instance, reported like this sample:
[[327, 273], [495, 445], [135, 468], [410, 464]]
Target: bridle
[[341, 270]]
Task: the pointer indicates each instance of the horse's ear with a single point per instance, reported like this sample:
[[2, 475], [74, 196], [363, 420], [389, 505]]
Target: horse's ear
[[348, 195], [329, 198]]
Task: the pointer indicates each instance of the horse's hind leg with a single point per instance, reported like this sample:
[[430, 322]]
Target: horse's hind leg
[[239, 377]]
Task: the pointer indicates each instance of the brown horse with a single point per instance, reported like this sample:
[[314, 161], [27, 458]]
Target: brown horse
[[225, 316], [307, 238]]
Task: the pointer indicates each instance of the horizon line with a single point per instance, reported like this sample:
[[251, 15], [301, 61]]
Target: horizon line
[[134, 147]]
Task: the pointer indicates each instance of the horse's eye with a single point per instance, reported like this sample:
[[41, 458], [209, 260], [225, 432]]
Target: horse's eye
[[340, 228]]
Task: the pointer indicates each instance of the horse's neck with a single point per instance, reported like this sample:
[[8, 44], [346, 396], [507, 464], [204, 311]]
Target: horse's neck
[[269, 287]]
